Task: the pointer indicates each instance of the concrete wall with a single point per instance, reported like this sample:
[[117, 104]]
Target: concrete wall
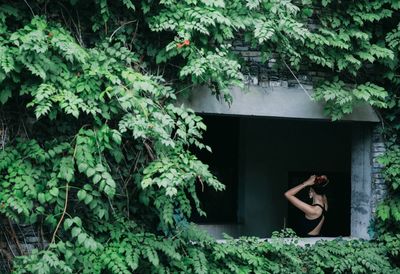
[[368, 185], [361, 181]]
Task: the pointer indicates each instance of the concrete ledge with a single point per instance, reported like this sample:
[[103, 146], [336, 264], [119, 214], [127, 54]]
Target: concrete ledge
[[217, 230], [300, 241], [271, 102]]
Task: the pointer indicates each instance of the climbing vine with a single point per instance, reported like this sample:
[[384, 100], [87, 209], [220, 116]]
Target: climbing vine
[[99, 155]]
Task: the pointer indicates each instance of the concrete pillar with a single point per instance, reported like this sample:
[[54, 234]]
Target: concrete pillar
[[361, 180]]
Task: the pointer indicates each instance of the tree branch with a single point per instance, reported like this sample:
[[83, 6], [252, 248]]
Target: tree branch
[[62, 216]]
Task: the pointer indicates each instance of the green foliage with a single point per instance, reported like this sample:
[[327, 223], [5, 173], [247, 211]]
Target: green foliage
[[100, 129], [206, 68], [103, 161], [388, 212], [128, 250], [208, 27], [343, 256], [23, 166], [391, 170], [340, 99], [166, 180], [392, 242], [41, 262]]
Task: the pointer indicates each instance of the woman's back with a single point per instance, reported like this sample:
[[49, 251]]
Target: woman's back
[[312, 227], [314, 215]]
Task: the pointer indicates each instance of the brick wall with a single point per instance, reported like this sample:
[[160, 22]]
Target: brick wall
[[379, 188], [15, 241], [271, 73]]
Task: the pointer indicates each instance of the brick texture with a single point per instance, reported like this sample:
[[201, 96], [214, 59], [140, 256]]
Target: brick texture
[[379, 188]]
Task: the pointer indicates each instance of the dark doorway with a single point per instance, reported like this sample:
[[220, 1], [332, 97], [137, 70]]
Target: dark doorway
[[222, 136], [258, 159], [337, 221]]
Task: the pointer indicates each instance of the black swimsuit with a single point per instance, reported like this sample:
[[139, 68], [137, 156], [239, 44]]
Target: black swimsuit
[[310, 225]]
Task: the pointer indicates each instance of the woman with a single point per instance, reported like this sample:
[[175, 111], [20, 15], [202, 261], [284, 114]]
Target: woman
[[314, 214]]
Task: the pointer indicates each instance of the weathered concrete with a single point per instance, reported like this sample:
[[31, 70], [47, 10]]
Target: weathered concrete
[[361, 181], [284, 102]]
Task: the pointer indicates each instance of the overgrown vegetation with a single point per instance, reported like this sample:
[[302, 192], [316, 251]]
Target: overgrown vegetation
[[98, 153]]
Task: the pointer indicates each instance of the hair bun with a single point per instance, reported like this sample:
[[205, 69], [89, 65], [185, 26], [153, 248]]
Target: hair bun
[[321, 181]]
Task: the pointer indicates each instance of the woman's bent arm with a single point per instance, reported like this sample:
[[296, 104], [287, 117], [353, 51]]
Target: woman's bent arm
[[306, 208]]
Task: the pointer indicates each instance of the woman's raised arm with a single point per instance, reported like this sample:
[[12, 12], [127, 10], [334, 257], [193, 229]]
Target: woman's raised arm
[[290, 195]]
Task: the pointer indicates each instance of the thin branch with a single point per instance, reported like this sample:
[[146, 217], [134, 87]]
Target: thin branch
[[111, 206], [9, 244], [3, 135], [127, 201], [137, 160], [6, 254], [380, 118], [77, 27], [25, 130], [79, 30], [45, 7], [41, 233], [62, 216], [26, 2], [23, 234], [177, 234], [124, 24], [15, 237], [65, 20], [309, 96], [134, 35], [201, 182], [149, 150], [185, 88]]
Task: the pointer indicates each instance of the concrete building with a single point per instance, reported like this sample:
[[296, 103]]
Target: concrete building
[[273, 137]]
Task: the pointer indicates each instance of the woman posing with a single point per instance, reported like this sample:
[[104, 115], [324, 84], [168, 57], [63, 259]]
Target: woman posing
[[314, 214]]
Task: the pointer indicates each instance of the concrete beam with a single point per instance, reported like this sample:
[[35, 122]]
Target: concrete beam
[[271, 102]]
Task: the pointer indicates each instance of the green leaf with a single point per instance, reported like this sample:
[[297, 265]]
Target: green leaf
[[67, 223], [171, 191], [75, 231], [88, 199], [54, 192], [82, 167], [146, 182], [81, 194], [81, 238], [5, 94], [90, 172], [96, 178], [41, 198], [77, 221], [116, 137], [67, 169]]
